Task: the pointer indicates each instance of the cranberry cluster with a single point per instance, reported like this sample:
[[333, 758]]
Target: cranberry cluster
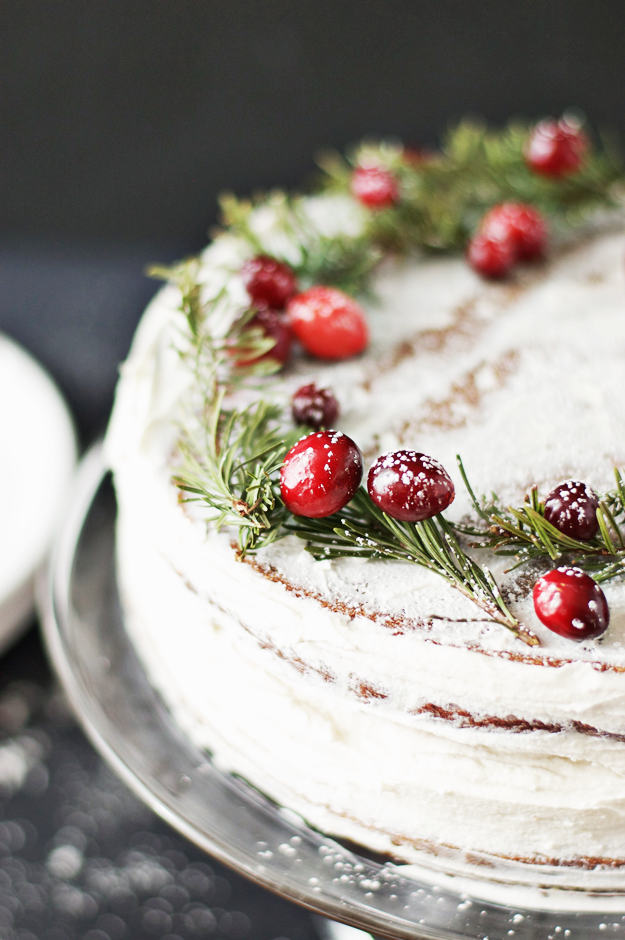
[[327, 322], [270, 285], [509, 232], [322, 472], [514, 231], [567, 600]]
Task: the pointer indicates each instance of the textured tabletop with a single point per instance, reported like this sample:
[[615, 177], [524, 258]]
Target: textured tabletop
[[82, 859]]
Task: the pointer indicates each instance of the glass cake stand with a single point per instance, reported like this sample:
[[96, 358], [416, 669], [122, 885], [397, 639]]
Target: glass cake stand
[[132, 729]]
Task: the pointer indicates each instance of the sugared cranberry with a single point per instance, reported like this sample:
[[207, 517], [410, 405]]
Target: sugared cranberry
[[269, 283], [410, 486], [572, 509], [274, 325], [316, 407], [570, 603], [374, 186], [328, 323], [556, 148], [523, 225], [320, 474], [491, 257]]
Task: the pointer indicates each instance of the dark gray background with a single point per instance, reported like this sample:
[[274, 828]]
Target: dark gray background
[[123, 119]]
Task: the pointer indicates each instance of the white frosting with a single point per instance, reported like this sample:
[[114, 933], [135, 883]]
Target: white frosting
[[319, 700]]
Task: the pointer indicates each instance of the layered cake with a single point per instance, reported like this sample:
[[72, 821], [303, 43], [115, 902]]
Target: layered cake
[[326, 654]]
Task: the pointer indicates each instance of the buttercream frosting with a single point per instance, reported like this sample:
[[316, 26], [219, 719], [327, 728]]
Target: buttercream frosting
[[369, 696]]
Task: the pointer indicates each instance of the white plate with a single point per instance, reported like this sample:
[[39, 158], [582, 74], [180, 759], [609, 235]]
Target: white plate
[[37, 460]]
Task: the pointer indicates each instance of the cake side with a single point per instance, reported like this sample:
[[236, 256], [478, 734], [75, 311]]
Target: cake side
[[383, 660], [418, 788]]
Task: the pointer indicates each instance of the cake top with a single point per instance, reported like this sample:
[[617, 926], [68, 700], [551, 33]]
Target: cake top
[[521, 377]]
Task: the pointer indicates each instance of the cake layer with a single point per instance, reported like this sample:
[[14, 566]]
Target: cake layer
[[371, 696]]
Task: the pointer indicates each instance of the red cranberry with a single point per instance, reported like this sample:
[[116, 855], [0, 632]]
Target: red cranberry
[[320, 474], [328, 323], [316, 407], [275, 326], [410, 486], [415, 155], [491, 257], [570, 603], [523, 225], [556, 148], [269, 283], [375, 187], [572, 509]]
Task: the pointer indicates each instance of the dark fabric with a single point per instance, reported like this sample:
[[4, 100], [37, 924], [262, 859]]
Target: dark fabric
[[75, 308], [82, 859]]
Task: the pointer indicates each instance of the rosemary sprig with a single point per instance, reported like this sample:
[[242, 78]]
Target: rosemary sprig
[[525, 535], [362, 530], [227, 356], [228, 458], [233, 470]]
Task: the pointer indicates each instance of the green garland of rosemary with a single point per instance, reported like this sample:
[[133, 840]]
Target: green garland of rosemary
[[443, 195], [525, 535], [229, 458]]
